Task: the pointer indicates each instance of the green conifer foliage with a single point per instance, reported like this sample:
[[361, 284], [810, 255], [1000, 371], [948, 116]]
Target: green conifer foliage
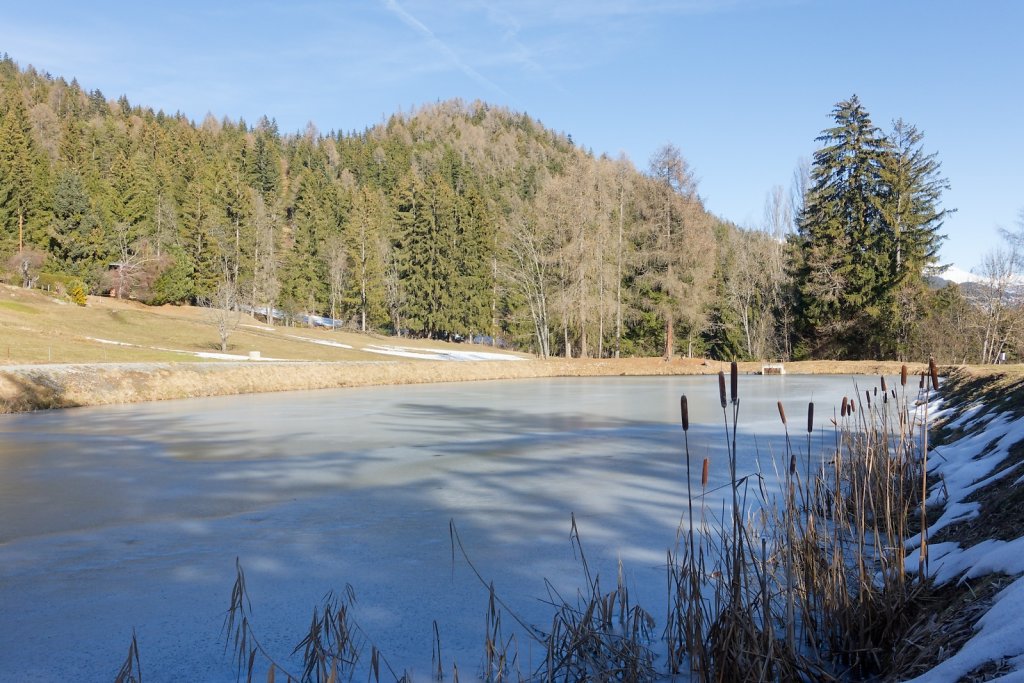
[[868, 227], [23, 178]]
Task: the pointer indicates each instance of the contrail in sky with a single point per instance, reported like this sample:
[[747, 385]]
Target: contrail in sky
[[421, 28]]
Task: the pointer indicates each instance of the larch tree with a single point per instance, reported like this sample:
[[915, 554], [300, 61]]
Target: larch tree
[[677, 247]]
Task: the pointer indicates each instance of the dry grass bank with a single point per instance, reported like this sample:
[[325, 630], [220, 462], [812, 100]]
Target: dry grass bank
[[34, 387]]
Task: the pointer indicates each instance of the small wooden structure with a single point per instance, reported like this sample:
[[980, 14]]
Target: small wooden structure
[[773, 369]]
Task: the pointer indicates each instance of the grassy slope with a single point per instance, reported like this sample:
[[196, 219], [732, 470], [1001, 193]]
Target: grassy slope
[[154, 357], [35, 328]]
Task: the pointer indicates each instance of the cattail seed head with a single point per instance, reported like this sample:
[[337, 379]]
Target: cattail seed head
[[721, 387], [684, 413], [792, 464], [734, 382], [867, 395], [853, 407], [903, 375], [782, 413], [810, 417], [704, 475], [883, 384], [920, 385], [845, 407], [934, 369]]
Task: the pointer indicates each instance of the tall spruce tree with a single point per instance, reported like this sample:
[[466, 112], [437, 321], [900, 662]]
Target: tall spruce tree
[[23, 178], [841, 259], [911, 210], [868, 229]]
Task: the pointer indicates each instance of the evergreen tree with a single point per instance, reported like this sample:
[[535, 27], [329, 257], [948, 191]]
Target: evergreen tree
[[263, 161], [75, 238], [842, 240], [911, 210], [425, 217], [365, 226], [23, 184], [304, 284], [867, 232]]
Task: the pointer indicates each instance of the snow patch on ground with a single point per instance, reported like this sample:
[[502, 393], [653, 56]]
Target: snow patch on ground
[[964, 466], [322, 342], [111, 341], [438, 354]]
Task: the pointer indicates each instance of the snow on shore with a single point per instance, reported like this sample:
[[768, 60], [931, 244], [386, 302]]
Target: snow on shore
[[964, 466], [438, 354]]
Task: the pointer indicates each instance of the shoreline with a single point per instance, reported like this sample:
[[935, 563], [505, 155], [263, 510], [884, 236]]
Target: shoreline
[[25, 388]]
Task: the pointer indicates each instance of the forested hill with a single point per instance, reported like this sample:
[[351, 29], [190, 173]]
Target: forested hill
[[454, 219]]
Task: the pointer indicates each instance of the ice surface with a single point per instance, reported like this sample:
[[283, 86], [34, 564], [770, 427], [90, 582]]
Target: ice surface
[[117, 518]]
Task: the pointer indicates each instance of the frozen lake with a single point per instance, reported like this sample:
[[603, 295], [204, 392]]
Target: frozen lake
[[116, 518]]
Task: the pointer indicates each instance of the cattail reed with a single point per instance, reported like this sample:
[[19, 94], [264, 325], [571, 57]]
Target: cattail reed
[[810, 417], [883, 384], [704, 475], [721, 387], [734, 382], [782, 414], [684, 413], [867, 396], [934, 370], [903, 375], [845, 407], [920, 385]]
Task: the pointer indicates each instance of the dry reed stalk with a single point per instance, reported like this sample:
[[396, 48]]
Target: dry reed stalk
[[840, 576], [131, 668]]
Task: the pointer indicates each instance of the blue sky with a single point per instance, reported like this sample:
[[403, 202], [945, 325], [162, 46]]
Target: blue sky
[[741, 86]]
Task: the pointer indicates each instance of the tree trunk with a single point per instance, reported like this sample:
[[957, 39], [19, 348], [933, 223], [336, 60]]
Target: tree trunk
[[669, 336]]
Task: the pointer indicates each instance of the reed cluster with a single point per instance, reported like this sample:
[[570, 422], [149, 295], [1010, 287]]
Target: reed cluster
[[808, 583]]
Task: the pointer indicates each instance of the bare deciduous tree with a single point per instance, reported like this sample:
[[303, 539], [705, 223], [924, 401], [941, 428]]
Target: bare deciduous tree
[[526, 269], [224, 310], [27, 264], [337, 272], [265, 283], [998, 295]]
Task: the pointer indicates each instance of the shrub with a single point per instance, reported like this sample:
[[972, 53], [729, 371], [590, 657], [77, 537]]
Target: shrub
[[76, 292]]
